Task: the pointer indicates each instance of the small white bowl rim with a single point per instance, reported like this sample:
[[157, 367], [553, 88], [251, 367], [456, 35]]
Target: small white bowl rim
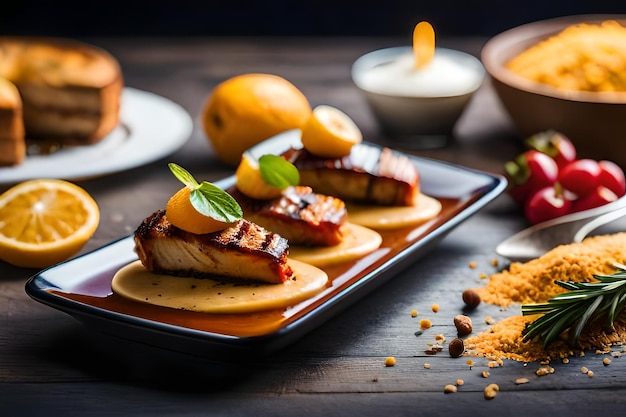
[[378, 56], [541, 30]]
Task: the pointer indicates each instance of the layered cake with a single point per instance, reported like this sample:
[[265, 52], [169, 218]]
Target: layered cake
[[12, 146], [69, 94]]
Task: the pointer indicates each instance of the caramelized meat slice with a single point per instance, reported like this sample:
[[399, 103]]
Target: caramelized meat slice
[[370, 174], [243, 251], [300, 215]]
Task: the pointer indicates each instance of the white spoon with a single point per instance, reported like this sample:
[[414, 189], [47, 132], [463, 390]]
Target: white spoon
[[536, 240]]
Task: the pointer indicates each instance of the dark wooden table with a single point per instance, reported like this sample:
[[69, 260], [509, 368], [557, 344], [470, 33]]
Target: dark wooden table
[[51, 364]]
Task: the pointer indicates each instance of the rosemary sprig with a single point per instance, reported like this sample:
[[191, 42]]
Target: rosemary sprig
[[583, 303]]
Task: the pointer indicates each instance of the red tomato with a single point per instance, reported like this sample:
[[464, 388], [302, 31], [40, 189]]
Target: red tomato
[[580, 177], [599, 197], [530, 172], [612, 177], [554, 144], [545, 204]]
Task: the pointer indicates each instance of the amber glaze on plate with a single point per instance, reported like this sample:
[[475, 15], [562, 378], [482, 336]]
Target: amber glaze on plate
[[96, 290]]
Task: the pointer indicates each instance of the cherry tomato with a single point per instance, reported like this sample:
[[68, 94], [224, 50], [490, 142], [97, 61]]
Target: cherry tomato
[[580, 177], [530, 172], [612, 177], [545, 204], [554, 144], [598, 197]]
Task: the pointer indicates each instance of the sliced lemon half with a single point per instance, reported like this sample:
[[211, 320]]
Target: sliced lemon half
[[330, 133], [45, 221], [250, 182]]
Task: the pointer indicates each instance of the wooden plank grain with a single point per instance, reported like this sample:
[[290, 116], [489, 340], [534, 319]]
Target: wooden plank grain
[[51, 364]]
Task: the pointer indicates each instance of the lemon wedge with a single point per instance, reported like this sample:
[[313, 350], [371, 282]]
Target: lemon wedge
[[330, 133], [250, 182], [45, 221]]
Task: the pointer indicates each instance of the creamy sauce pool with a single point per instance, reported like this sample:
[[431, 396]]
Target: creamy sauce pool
[[450, 73]]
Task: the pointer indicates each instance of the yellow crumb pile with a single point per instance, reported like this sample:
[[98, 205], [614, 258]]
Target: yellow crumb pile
[[504, 341], [533, 281], [583, 57]]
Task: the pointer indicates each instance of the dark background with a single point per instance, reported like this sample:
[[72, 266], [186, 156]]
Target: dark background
[[283, 17]]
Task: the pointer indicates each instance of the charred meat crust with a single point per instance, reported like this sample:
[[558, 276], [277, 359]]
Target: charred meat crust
[[242, 251], [370, 174], [299, 215]]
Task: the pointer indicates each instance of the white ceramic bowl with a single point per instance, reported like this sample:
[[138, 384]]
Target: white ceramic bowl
[[419, 110]]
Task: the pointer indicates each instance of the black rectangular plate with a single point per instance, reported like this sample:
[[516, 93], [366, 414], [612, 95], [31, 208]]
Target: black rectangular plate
[[81, 286]]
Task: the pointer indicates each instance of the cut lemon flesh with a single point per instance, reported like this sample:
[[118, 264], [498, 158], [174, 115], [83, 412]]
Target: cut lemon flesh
[[250, 182], [330, 133], [182, 214], [45, 221]]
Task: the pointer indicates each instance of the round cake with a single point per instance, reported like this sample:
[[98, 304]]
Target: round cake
[[68, 94]]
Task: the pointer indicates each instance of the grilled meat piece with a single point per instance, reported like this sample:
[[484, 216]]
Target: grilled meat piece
[[243, 251], [370, 174], [299, 215]]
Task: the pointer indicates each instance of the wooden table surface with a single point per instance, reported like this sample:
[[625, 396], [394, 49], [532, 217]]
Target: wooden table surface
[[52, 364]]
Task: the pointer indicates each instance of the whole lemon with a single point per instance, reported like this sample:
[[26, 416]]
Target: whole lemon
[[247, 109]]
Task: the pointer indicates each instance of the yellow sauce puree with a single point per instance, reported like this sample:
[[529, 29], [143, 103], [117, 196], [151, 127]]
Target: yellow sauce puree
[[582, 57]]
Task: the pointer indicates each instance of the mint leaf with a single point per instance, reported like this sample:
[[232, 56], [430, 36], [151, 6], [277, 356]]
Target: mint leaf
[[278, 172], [183, 175], [214, 202], [207, 198]]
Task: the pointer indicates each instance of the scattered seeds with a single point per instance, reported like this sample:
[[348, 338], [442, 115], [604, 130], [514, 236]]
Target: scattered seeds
[[425, 324], [460, 382], [606, 361], [426, 366], [456, 347], [463, 325], [490, 391], [485, 374], [471, 298], [390, 361], [590, 374], [435, 308], [520, 381], [414, 313], [448, 389], [544, 370], [472, 264]]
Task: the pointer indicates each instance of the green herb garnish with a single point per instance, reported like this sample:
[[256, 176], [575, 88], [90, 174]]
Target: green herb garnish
[[585, 302], [207, 198], [278, 172]]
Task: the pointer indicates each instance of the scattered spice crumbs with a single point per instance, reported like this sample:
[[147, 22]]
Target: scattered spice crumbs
[[390, 361], [533, 282]]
